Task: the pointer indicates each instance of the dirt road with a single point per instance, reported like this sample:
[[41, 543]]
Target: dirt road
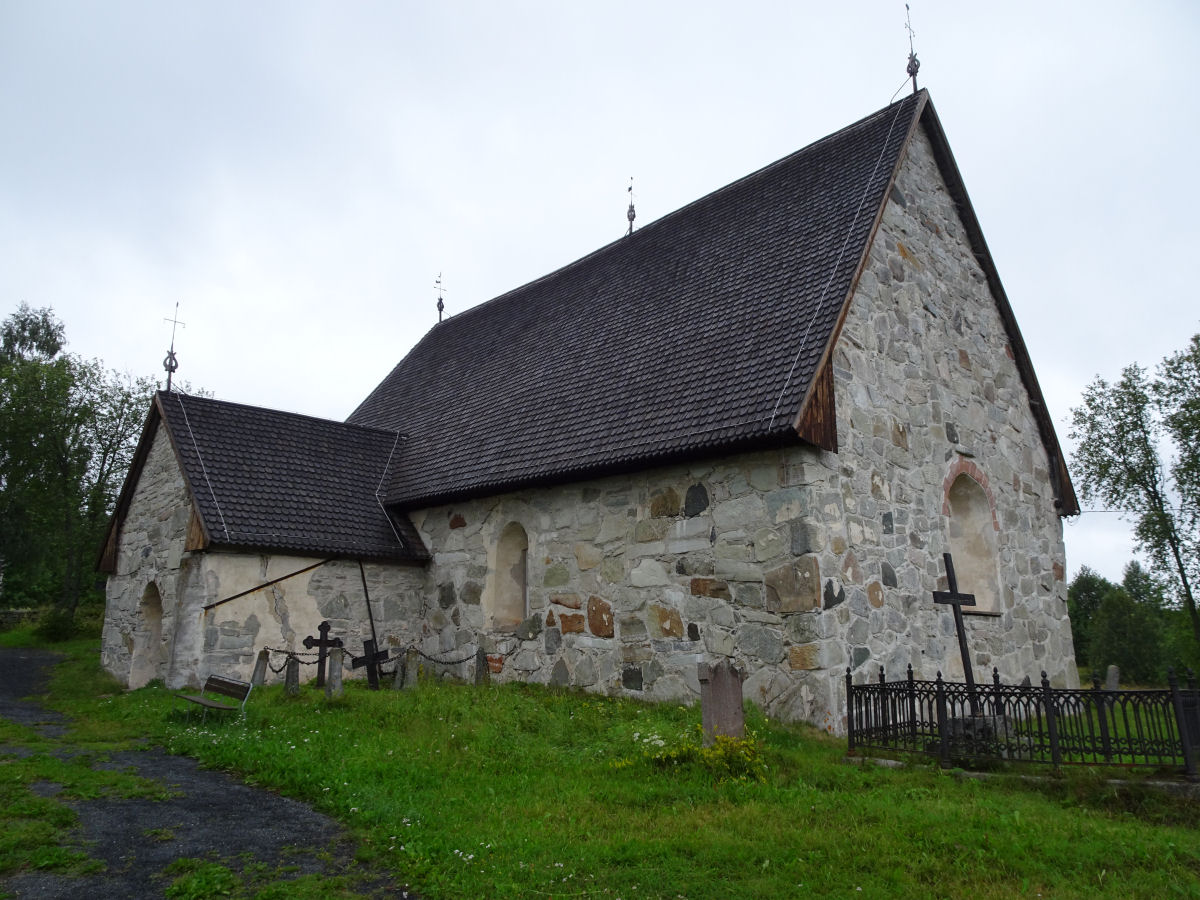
[[210, 816]]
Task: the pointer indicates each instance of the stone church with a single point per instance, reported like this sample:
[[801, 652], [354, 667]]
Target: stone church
[[746, 431]]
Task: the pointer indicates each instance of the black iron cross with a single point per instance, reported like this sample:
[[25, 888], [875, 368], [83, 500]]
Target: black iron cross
[[323, 644], [371, 658], [957, 601]]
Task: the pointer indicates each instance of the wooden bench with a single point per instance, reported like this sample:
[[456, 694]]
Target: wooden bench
[[228, 687]]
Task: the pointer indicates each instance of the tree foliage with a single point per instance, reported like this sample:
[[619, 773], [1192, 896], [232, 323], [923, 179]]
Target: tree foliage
[[1139, 452], [1084, 595], [1129, 625], [68, 430]]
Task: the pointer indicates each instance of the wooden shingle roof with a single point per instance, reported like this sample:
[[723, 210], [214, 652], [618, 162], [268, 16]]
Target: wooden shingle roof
[[701, 332], [263, 480]]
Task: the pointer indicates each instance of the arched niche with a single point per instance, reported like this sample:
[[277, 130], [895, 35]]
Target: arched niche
[[973, 544], [510, 578], [149, 649]]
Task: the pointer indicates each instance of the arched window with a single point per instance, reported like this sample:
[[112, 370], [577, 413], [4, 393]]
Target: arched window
[[973, 544], [509, 603], [149, 649]]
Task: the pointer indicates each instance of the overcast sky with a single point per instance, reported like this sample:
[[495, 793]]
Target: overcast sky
[[296, 174]]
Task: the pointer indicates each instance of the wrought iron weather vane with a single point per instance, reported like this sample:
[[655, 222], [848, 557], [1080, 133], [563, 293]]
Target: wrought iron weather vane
[[914, 64], [170, 363], [956, 601], [437, 283], [630, 213]]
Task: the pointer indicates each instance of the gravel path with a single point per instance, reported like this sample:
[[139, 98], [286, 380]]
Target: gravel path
[[209, 816]]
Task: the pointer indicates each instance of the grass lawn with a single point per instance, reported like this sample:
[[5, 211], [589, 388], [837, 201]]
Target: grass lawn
[[521, 791]]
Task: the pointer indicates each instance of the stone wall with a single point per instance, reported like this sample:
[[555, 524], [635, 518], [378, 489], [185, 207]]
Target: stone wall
[[150, 552], [13, 618], [927, 391], [797, 563], [192, 642], [282, 615]]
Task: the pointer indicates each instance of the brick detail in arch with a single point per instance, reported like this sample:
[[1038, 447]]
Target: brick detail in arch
[[964, 466]]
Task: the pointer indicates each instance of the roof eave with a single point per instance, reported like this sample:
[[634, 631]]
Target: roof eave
[[317, 552], [783, 436]]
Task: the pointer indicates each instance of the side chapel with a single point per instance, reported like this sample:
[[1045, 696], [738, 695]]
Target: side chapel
[[748, 430]]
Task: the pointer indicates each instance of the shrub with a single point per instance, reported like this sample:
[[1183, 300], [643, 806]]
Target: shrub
[[728, 759], [55, 625]]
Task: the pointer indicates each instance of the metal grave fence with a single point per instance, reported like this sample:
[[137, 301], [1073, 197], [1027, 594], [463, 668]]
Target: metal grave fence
[[957, 722]]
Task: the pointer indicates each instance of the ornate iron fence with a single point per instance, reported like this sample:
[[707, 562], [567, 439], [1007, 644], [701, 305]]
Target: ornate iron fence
[[1060, 726]]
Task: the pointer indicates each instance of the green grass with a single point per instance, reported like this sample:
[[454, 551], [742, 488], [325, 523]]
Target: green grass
[[519, 791]]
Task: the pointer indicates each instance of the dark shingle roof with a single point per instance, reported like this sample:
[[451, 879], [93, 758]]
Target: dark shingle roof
[[700, 332], [269, 480]]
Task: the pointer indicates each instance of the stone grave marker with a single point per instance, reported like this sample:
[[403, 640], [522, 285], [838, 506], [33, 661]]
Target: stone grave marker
[[333, 684], [291, 677], [260, 667], [1112, 679], [412, 669], [721, 701]]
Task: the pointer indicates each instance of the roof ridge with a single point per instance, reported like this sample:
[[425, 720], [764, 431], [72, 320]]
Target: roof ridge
[[664, 220], [196, 398]]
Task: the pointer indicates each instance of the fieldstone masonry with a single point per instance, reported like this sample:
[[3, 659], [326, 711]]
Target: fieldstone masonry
[[797, 563], [184, 643], [791, 564]]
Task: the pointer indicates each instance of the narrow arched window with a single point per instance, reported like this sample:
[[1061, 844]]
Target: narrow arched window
[[973, 544], [510, 580], [149, 650]]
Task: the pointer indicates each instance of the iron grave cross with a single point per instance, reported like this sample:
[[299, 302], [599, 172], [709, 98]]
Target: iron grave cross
[[371, 658], [957, 601], [323, 644]]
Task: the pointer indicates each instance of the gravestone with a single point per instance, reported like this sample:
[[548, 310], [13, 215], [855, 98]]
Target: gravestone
[[1112, 679], [260, 668], [291, 677], [371, 658], [324, 644], [412, 668], [333, 684], [721, 701]]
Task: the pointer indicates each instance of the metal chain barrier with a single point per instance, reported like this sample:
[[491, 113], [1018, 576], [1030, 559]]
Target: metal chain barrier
[[444, 662], [347, 662], [289, 654]]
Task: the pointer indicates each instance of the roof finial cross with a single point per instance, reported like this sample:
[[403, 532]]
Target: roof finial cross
[[913, 63], [437, 283], [630, 214], [170, 363]]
